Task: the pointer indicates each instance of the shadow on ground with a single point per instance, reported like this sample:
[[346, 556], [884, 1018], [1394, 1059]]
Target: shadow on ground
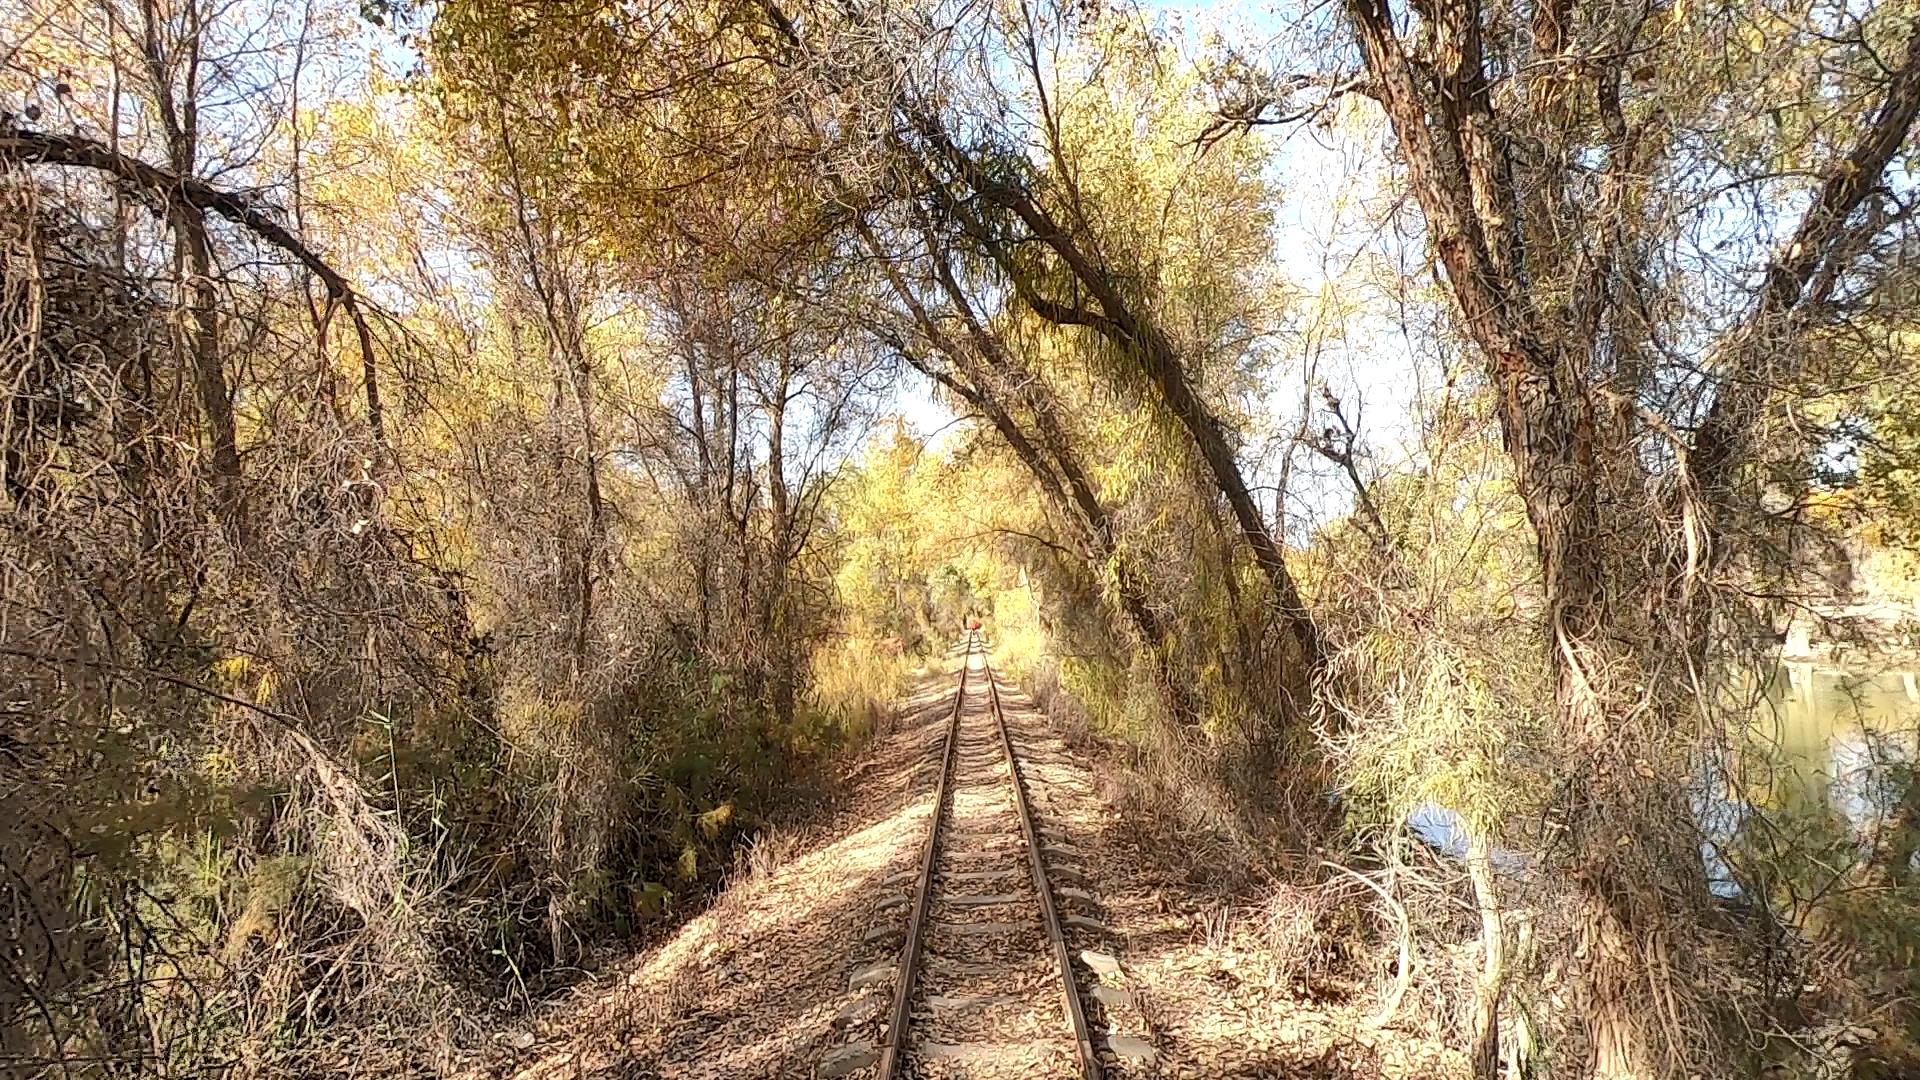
[[1210, 957], [751, 987]]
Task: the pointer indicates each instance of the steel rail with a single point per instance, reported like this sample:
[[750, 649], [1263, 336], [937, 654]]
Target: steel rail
[[1049, 914], [893, 1053]]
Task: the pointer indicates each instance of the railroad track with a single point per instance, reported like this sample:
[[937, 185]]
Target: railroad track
[[984, 984]]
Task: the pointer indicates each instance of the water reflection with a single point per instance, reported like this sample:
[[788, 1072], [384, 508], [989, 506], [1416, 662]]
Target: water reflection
[[1446, 832], [1835, 739], [1824, 748]]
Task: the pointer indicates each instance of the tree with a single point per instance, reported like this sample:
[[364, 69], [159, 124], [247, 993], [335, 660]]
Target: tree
[[1555, 152]]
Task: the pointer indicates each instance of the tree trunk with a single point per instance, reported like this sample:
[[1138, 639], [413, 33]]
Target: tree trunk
[[1485, 1049], [559, 303], [193, 253], [209, 373], [594, 542], [702, 493], [779, 550], [989, 376], [1616, 987], [1624, 909]]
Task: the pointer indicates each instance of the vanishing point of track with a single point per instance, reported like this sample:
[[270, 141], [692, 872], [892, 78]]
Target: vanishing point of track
[[934, 997]]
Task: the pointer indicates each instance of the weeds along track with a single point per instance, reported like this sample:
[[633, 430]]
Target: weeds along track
[[983, 984]]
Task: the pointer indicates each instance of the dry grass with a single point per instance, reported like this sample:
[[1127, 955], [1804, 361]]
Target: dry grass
[[1237, 972], [749, 987], [1234, 974]]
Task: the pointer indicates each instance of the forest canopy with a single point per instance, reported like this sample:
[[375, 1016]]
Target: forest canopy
[[467, 468]]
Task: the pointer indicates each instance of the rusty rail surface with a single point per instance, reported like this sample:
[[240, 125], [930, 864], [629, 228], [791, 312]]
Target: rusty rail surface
[[909, 966], [1049, 913], [893, 1054]]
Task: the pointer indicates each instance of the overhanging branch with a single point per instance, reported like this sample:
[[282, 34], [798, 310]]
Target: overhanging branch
[[23, 147]]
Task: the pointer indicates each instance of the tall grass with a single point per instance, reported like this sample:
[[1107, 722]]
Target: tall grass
[[856, 683]]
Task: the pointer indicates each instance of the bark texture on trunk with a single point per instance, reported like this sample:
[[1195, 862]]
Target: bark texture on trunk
[[1641, 899]]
